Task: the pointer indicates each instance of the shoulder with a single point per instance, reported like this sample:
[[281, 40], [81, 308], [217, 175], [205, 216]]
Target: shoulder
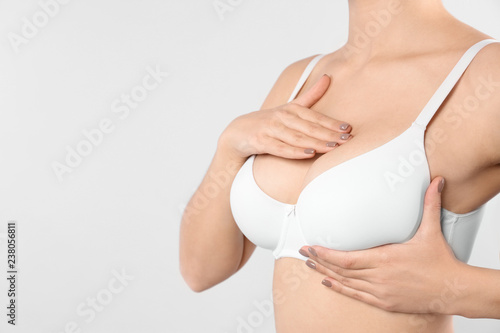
[[484, 80], [487, 59], [286, 82]]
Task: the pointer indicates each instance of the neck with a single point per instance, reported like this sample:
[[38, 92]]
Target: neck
[[378, 26]]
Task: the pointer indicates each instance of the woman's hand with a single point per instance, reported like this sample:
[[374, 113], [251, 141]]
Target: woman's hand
[[419, 276], [290, 130]]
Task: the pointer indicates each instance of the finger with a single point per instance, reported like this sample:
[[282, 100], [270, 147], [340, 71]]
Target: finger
[[299, 139], [321, 119], [298, 132], [360, 295], [339, 272], [431, 217], [360, 259], [351, 282], [292, 120], [314, 94], [279, 148]]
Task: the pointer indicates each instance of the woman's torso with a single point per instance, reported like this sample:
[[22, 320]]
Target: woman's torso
[[371, 98]]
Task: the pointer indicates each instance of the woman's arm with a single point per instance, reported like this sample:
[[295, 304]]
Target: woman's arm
[[212, 247], [482, 298], [211, 244]]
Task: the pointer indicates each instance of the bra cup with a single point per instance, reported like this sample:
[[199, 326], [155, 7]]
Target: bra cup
[[374, 199], [261, 226]]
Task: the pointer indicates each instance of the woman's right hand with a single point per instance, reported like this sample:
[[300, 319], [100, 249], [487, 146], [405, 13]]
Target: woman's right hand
[[291, 130]]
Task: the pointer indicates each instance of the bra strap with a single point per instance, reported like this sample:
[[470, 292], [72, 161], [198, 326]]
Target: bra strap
[[440, 95], [305, 75]]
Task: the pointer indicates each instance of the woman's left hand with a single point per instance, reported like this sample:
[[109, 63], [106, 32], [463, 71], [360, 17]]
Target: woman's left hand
[[419, 276]]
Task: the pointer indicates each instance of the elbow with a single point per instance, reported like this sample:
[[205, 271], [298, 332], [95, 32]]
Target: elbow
[[195, 285], [194, 281], [201, 273]]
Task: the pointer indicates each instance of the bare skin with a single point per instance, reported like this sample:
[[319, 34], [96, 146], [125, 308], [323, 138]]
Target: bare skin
[[371, 90], [386, 107]]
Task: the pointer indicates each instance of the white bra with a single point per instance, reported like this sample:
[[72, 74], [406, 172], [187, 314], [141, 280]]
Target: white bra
[[381, 200]]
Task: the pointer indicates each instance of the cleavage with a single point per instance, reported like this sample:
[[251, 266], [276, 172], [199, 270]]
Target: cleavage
[[284, 179], [374, 121]]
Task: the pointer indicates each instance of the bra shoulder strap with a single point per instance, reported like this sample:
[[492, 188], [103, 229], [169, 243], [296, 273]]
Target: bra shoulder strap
[[305, 75], [445, 88]]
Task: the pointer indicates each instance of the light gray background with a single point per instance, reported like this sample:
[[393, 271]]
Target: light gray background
[[120, 209]]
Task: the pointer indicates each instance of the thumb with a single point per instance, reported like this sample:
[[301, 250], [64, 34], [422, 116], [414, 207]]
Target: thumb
[[314, 93], [431, 217]]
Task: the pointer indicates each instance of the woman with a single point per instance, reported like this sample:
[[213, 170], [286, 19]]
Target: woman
[[397, 55]]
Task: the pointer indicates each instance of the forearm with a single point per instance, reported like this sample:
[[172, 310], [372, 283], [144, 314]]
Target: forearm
[[211, 244], [480, 297]]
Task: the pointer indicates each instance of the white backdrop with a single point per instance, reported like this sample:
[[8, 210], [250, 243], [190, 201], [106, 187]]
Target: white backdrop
[[98, 233]]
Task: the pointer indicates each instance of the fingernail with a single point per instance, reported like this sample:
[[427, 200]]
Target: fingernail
[[344, 126], [309, 151], [345, 136], [331, 144], [326, 283], [441, 185], [312, 251], [326, 75], [310, 264], [304, 253]]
